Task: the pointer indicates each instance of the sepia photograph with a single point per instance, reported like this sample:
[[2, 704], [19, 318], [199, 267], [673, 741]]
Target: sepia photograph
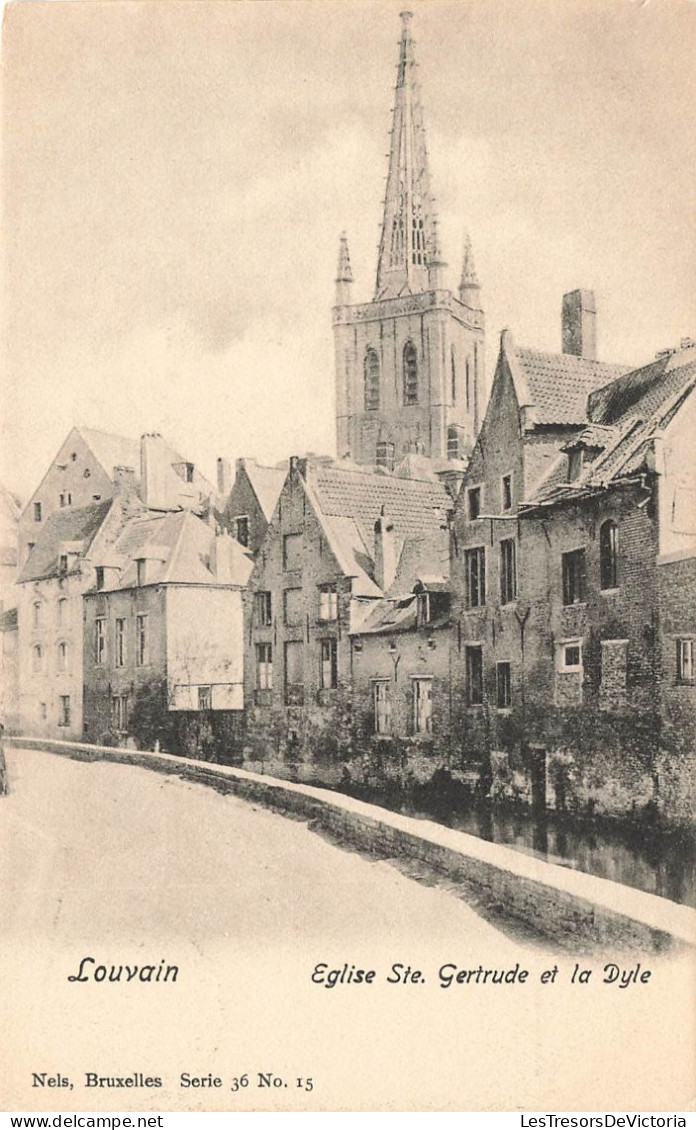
[[348, 562]]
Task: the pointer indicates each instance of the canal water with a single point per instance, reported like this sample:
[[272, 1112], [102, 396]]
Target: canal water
[[658, 862]]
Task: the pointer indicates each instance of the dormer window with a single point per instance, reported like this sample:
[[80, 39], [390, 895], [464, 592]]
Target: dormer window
[[574, 464], [473, 498], [423, 612], [242, 524], [65, 498], [63, 564], [37, 511], [188, 472], [100, 577]]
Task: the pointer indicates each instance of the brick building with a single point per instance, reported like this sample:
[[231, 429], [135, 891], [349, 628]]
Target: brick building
[[409, 364], [337, 540], [250, 501], [569, 505], [163, 635]]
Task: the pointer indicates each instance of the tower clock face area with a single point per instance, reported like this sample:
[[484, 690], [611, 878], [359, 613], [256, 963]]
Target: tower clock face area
[[409, 364]]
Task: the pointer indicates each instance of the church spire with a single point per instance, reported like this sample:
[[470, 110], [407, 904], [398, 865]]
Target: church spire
[[344, 273], [468, 284], [408, 232]]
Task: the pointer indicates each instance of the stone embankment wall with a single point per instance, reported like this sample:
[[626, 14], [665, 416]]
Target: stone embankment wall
[[569, 906]]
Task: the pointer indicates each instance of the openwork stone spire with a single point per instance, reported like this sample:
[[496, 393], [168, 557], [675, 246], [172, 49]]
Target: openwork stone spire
[[468, 284], [406, 245], [344, 273]]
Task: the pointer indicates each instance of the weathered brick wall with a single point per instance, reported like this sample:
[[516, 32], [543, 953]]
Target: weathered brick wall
[[309, 738], [403, 756], [242, 501], [676, 767]]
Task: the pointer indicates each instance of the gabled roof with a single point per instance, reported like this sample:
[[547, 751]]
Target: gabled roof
[[79, 525], [639, 405], [348, 500], [112, 450], [559, 384], [267, 483], [179, 548]]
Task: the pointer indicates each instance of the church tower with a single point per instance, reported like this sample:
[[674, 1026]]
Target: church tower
[[409, 364]]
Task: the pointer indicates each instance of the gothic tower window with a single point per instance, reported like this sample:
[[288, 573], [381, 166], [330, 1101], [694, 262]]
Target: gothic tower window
[[454, 376], [371, 381], [608, 555], [410, 374], [468, 385]]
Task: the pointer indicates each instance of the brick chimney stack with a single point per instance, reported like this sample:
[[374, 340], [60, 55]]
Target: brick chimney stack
[[579, 317], [385, 551], [153, 471], [224, 476]]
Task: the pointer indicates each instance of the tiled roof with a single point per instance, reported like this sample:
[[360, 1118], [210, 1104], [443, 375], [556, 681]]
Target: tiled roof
[[70, 525], [179, 549], [638, 405], [560, 383], [113, 450], [349, 500], [267, 483]]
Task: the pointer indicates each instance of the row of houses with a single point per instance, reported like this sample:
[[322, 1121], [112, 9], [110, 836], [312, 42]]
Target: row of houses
[[502, 596], [529, 631]]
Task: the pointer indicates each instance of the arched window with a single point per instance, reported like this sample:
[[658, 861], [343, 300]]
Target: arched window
[[62, 611], [608, 555], [36, 657], [410, 374], [62, 656], [371, 381], [37, 614]]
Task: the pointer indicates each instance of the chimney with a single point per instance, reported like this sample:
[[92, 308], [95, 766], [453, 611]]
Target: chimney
[[154, 467], [224, 476], [124, 481], [385, 551], [220, 557], [578, 324]]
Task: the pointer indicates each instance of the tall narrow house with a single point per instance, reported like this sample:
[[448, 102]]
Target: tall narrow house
[[409, 364]]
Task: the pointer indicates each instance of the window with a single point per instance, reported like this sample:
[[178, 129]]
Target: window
[[188, 472], [99, 640], [120, 642], [294, 672], [65, 498], [574, 577], [36, 658], [506, 492], [62, 611], [37, 511], [371, 381], [37, 614], [62, 656], [142, 656], [292, 607], [385, 455], [242, 524], [508, 571], [452, 443], [468, 385], [100, 577], [381, 697], [574, 464], [64, 710], [140, 571], [570, 655], [474, 675], [475, 565], [422, 706], [423, 608], [473, 499], [43, 711], [263, 608], [608, 555], [292, 551], [205, 698], [264, 666], [410, 374], [328, 603], [685, 661], [63, 564], [119, 712], [453, 377], [329, 665], [503, 685]]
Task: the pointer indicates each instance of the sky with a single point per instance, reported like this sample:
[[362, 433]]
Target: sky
[[176, 176]]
